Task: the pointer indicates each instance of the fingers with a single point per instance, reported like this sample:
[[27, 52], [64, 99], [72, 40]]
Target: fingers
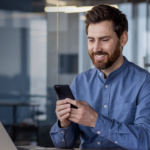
[[74, 111], [76, 114], [63, 112], [73, 102], [64, 117], [82, 102], [61, 107], [60, 102], [73, 116], [77, 103]]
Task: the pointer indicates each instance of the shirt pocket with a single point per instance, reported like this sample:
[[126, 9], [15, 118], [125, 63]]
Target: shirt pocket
[[123, 112]]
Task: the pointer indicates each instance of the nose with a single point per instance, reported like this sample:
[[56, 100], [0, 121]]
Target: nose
[[97, 46]]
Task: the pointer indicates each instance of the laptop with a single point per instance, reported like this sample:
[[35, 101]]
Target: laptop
[[6, 142]]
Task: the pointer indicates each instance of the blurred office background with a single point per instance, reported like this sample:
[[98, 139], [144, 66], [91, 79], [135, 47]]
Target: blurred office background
[[43, 43]]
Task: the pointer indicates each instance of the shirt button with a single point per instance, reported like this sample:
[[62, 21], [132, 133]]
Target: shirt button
[[100, 74], [98, 143], [106, 86], [98, 132], [62, 131], [105, 106], [116, 142], [63, 140]]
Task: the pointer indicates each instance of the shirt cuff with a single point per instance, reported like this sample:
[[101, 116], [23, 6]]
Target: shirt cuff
[[102, 125], [56, 128]]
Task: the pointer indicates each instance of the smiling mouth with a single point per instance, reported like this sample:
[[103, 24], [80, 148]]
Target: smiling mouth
[[99, 56]]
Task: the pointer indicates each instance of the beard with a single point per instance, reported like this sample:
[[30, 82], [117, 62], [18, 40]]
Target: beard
[[102, 65]]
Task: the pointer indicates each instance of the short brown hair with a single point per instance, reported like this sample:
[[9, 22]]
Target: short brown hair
[[103, 12]]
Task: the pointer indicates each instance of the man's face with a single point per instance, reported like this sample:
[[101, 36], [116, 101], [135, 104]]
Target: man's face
[[103, 45]]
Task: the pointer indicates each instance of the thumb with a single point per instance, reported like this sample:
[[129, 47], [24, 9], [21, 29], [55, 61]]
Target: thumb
[[82, 102]]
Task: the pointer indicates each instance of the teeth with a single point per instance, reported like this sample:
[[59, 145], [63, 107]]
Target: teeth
[[100, 55]]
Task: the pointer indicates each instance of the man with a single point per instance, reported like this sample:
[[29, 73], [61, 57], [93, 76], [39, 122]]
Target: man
[[113, 99]]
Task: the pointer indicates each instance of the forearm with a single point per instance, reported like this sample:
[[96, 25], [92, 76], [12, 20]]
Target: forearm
[[64, 137], [127, 136]]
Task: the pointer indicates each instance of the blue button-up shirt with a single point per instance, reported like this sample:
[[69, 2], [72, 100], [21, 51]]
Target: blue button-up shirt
[[122, 102]]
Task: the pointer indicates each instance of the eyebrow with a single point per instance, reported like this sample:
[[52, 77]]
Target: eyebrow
[[99, 37]]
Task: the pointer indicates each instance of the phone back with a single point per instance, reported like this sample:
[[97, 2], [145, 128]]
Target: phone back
[[63, 91]]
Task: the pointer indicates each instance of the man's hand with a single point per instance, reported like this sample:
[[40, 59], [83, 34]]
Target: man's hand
[[85, 115], [63, 112]]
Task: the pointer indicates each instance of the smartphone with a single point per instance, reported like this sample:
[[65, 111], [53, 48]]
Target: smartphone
[[64, 91]]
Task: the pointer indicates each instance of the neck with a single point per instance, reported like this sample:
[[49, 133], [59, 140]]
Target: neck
[[115, 66]]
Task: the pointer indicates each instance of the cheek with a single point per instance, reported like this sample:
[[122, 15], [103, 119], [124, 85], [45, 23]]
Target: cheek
[[90, 51], [109, 47], [90, 48]]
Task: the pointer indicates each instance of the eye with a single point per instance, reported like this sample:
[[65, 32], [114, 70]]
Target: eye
[[91, 41], [105, 40]]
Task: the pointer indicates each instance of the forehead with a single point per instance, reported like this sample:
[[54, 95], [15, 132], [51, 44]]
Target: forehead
[[104, 28]]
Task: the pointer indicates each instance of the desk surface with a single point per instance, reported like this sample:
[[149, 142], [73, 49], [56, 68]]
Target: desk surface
[[42, 148]]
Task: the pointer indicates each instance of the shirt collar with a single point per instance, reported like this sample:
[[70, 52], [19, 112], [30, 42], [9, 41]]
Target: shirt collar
[[115, 72]]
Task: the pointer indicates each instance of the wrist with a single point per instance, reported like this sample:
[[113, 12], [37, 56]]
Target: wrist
[[64, 125]]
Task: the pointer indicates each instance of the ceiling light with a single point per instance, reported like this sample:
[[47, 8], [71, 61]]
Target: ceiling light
[[70, 9], [61, 9], [79, 9]]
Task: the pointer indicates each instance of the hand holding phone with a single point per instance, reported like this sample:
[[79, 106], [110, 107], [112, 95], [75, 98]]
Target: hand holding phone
[[63, 109], [64, 91], [63, 112]]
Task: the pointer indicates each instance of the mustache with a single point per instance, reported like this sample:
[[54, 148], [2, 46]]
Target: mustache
[[99, 53]]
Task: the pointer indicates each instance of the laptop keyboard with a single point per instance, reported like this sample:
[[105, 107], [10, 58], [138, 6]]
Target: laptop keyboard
[[19, 148]]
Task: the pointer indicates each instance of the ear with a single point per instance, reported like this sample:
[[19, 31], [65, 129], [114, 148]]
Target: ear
[[124, 38]]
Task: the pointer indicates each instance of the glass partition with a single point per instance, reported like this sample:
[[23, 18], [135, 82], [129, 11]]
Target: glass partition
[[23, 69]]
